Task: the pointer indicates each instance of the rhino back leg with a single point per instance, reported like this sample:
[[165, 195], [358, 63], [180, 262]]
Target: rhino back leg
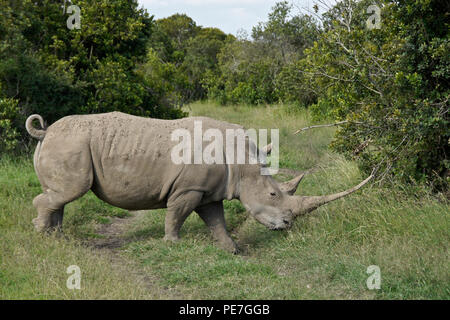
[[178, 209], [65, 173], [214, 217]]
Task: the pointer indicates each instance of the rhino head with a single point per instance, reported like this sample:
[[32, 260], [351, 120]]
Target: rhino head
[[274, 204]]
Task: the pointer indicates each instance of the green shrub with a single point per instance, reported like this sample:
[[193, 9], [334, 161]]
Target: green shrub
[[391, 84], [8, 134], [264, 70], [54, 71]]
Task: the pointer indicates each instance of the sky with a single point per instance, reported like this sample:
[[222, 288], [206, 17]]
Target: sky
[[227, 15]]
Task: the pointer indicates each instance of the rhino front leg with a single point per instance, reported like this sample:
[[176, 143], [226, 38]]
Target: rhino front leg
[[213, 215], [178, 209]]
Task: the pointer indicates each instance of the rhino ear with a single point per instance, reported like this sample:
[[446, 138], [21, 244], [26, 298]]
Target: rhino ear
[[291, 186], [267, 149]]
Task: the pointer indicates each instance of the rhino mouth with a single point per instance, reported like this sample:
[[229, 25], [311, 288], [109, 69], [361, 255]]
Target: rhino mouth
[[280, 227], [275, 226], [269, 221]]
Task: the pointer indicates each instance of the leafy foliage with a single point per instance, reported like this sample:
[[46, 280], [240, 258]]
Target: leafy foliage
[[190, 51], [8, 133], [54, 71], [263, 70], [391, 84]]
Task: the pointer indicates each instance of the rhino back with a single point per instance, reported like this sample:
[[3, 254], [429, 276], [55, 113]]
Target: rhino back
[[131, 158]]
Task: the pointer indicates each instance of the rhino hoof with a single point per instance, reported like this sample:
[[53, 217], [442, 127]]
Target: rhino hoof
[[171, 238], [230, 247], [235, 250], [38, 225]]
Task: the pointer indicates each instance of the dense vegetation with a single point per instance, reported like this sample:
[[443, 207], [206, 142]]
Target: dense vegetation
[[389, 85], [47, 68]]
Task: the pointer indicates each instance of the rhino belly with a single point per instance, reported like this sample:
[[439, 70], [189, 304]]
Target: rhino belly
[[130, 185]]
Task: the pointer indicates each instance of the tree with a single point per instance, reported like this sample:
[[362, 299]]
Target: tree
[[54, 71], [390, 84], [180, 29], [290, 34], [191, 52], [263, 70], [201, 58]]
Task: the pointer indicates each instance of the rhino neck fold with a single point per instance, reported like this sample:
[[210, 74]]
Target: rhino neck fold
[[232, 187]]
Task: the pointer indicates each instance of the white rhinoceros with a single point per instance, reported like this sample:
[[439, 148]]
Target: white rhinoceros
[[126, 161]]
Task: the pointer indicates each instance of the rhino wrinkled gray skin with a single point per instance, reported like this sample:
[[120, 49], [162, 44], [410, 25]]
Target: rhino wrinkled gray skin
[[126, 161]]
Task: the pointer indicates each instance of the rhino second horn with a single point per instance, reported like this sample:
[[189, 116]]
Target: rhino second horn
[[291, 186], [267, 149]]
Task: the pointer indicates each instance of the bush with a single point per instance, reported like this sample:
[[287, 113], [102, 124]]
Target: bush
[[264, 70], [391, 84], [292, 85], [8, 133], [54, 71]]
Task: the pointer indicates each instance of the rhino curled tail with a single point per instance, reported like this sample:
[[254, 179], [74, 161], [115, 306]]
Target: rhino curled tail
[[32, 131]]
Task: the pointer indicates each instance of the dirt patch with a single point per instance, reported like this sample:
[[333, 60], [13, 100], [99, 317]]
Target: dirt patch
[[113, 239], [112, 234]]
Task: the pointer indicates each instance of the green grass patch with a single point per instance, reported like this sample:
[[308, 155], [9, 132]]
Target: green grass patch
[[402, 229]]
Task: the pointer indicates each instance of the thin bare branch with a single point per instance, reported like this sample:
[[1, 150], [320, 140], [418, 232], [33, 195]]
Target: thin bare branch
[[325, 126]]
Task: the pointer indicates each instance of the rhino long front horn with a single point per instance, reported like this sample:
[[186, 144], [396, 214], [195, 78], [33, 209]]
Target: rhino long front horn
[[310, 203]]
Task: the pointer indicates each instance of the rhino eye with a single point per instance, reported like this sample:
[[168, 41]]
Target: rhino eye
[[273, 194]]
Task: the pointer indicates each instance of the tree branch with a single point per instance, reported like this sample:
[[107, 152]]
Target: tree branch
[[326, 125]]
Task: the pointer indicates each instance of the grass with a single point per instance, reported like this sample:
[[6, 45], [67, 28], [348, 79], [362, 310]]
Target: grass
[[403, 230], [33, 266]]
